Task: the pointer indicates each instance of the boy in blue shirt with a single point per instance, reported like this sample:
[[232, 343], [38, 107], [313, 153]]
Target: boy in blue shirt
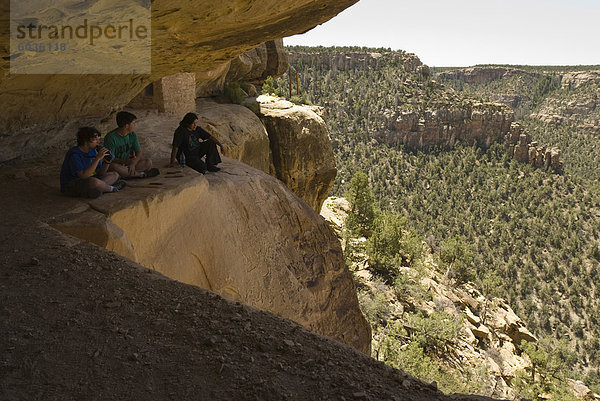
[[83, 174]]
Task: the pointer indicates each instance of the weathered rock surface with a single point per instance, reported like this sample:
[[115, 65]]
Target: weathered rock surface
[[576, 79], [199, 37], [252, 66], [236, 126], [482, 75], [358, 60], [518, 144], [577, 103], [474, 122], [240, 233], [301, 149], [239, 129]]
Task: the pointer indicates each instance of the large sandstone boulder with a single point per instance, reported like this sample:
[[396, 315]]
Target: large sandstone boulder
[[198, 36], [236, 126], [301, 149], [241, 234], [239, 129]]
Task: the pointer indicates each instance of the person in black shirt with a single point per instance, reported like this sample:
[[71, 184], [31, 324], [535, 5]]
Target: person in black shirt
[[195, 143]]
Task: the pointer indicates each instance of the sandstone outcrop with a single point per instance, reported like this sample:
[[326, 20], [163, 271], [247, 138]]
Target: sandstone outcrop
[[473, 122], [574, 80], [252, 66], [184, 39], [518, 144], [482, 75], [241, 234], [239, 129], [301, 149], [359, 60]]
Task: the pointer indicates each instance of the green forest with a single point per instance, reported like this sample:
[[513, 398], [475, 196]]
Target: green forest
[[531, 235]]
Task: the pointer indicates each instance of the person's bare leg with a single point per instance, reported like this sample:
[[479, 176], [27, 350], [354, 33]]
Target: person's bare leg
[[100, 184], [143, 165], [123, 171], [110, 178]]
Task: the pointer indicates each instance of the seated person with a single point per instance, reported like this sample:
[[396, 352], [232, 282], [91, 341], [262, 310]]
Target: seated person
[[194, 143], [123, 143], [83, 174]]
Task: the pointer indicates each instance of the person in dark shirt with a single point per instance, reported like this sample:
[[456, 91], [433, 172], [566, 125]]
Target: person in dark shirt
[[82, 173], [194, 143]]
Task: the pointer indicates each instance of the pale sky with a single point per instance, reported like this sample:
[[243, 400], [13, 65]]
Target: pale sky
[[469, 32]]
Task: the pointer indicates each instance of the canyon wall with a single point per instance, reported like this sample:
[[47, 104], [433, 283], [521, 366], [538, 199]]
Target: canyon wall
[[477, 122]]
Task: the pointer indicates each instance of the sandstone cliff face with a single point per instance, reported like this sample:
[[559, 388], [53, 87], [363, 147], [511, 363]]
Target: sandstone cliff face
[[482, 75], [409, 62], [239, 129], [186, 37], [576, 103], [301, 149], [473, 122], [241, 234], [416, 111]]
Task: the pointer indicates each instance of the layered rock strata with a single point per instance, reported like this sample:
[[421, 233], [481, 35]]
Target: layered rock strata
[[301, 149], [481, 123], [241, 234], [482, 75], [344, 61]]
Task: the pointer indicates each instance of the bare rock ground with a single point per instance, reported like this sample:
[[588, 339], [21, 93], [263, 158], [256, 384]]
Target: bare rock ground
[[80, 323]]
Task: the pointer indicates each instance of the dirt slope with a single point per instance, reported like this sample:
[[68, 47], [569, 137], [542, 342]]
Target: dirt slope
[[80, 323]]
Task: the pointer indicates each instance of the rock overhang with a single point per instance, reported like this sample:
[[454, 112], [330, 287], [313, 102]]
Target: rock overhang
[[199, 36]]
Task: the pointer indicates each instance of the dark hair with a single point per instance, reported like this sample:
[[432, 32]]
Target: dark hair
[[124, 118], [86, 134], [188, 119]]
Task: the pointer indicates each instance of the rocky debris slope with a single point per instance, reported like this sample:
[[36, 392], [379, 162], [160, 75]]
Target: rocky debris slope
[[301, 150], [489, 330], [80, 322]]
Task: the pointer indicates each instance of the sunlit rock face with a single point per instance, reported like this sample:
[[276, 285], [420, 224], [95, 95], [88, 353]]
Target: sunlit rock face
[[240, 233], [187, 36], [301, 150]]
